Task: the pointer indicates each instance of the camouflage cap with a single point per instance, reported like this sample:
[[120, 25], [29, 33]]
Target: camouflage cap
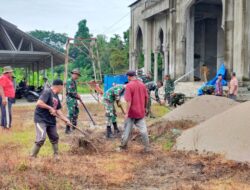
[[76, 71]]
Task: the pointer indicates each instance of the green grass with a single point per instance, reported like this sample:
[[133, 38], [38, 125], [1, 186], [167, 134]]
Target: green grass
[[166, 141], [168, 144], [25, 139], [83, 89], [159, 111]]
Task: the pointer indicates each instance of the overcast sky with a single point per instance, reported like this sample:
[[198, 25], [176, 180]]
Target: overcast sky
[[104, 16]]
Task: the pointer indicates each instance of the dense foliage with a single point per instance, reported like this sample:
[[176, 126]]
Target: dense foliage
[[113, 52]]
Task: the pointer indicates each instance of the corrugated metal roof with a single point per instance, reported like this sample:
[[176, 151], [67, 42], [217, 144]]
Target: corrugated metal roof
[[25, 56]]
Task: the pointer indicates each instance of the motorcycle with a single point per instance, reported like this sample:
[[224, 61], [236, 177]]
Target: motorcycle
[[28, 93], [178, 99]]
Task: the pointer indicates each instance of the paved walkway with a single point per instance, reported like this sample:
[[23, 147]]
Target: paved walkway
[[87, 98]]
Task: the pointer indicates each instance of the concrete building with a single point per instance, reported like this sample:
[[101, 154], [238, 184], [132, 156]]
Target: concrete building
[[177, 37]]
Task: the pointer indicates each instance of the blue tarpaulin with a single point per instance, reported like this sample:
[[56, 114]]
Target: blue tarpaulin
[[109, 80], [222, 71]]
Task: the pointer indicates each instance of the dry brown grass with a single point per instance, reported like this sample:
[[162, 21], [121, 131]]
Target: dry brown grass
[[132, 169]]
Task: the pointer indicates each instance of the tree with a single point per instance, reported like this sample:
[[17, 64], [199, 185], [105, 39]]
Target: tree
[[119, 58], [113, 53], [56, 40], [118, 61], [104, 54], [80, 53]]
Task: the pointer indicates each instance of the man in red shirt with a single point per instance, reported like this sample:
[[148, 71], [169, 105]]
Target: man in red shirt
[[233, 87], [7, 96], [136, 96]]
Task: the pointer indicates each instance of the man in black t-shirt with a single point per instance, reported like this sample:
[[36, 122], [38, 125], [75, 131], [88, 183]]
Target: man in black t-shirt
[[48, 107]]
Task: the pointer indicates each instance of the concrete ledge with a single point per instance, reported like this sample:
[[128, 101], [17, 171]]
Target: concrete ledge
[[188, 88], [155, 9]]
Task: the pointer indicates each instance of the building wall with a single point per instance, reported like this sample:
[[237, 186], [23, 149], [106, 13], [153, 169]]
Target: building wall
[[140, 16], [136, 22], [158, 47], [160, 23], [247, 37], [176, 21]]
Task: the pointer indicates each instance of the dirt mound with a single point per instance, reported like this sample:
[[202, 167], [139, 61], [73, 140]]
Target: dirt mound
[[89, 143], [226, 133], [200, 109]]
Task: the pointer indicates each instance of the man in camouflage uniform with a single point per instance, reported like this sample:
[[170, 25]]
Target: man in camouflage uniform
[[144, 78], [109, 98], [153, 86], [71, 98], [169, 89]]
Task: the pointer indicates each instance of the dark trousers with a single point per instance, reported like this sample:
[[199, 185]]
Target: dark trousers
[[42, 129], [6, 111], [168, 97], [233, 97]]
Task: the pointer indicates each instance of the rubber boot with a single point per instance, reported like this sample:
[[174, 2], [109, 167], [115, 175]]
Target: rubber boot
[[35, 151], [67, 130], [55, 150], [145, 141], [150, 114], [116, 129], [75, 124], [73, 128], [109, 132]]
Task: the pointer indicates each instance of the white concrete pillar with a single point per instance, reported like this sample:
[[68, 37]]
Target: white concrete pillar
[[247, 39], [156, 65], [131, 41], [238, 59], [166, 57], [147, 44], [134, 60], [183, 12], [190, 45], [229, 35], [220, 41], [180, 51], [172, 40]]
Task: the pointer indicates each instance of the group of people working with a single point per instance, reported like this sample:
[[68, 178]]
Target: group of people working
[[49, 108], [137, 94], [233, 87]]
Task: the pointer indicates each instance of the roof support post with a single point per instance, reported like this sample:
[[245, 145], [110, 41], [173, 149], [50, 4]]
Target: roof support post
[[38, 73], [66, 70], [20, 45], [29, 75], [33, 74], [26, 73], [9, 41], [31, 46], [52, 66]]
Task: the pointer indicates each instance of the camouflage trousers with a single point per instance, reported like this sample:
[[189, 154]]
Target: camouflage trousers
[[73, 111], [110, 112], [168, 97]]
